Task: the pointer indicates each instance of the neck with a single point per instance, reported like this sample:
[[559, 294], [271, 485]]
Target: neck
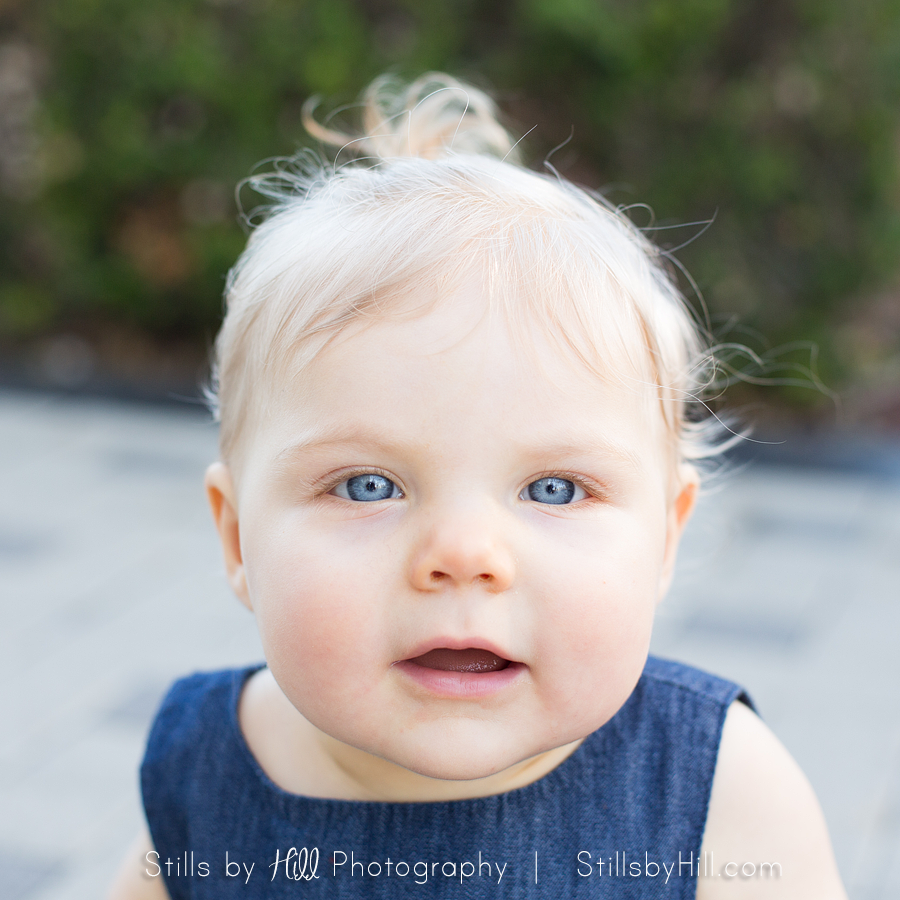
[[365, 776]]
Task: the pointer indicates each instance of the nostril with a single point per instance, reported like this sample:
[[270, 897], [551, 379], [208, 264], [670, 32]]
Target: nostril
[[484, 576], [438, 576]]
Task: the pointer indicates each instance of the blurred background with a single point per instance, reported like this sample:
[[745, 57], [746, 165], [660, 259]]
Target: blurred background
[[124, 128], [764, 135]]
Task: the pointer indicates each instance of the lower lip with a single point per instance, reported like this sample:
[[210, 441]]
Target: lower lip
[[461, 685]]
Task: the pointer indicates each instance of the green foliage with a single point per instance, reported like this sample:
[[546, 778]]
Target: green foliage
[[778, 118]]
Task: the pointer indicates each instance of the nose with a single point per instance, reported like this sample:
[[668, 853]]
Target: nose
[[463, 550]]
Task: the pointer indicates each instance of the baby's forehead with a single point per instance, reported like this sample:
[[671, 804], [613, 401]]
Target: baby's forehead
[[449, 356], [545, 332]]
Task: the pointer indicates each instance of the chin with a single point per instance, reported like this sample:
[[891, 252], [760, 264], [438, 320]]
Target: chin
[[457, 769], [458, 760]]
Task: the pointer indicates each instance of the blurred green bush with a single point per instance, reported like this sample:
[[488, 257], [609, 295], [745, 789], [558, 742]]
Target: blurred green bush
[[124, 127]]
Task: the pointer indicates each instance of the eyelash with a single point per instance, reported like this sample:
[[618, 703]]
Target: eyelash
[[330, 484]]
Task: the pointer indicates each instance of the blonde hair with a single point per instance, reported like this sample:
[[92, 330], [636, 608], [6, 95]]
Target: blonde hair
[[433, 195]]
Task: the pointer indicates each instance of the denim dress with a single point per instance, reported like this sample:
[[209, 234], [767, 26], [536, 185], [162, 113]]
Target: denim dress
[[623, 816]]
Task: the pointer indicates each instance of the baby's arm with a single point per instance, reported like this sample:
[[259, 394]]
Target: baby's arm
[[132, 882], [763, 810]]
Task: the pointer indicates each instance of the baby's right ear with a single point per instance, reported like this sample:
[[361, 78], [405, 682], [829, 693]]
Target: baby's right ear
[[223, 503]]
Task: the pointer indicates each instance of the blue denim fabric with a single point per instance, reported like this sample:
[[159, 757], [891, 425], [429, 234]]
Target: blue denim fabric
[[622, 817]]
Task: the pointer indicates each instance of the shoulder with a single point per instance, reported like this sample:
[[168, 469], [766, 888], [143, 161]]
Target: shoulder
[[196, 717], [676, 676], [197, 703], [764, 819], [201, 690], [192, 750], [681, 706]]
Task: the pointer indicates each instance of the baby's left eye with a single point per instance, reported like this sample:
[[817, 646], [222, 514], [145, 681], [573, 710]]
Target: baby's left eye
[[557, 491]]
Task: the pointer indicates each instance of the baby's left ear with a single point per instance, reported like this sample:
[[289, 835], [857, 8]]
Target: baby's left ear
[[680, 509]]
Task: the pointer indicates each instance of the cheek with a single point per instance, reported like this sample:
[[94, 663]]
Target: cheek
[[314, 609], [599, 625]]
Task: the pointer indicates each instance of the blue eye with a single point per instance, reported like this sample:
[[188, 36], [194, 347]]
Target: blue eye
[[557, 491], [367, 487]]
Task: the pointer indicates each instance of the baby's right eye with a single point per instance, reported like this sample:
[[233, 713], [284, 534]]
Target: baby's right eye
[[366, 488]]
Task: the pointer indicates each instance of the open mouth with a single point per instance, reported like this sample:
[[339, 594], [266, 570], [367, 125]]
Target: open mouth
[[467, 673], [470, 660]]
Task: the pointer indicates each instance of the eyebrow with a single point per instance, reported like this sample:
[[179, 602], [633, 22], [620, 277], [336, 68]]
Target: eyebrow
[[569, 447], [341, 436], [585, 445]]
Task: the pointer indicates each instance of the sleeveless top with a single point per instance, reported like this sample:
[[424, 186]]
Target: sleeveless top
[[622, 816]]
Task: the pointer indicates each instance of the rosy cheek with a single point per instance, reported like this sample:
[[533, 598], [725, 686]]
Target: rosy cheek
[[602, 629], [314, 620], [303, 621]]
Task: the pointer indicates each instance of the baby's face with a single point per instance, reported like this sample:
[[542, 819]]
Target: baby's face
[[454, 558]]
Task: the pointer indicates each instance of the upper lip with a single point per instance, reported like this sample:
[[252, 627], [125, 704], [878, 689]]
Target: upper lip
[[452, 643]]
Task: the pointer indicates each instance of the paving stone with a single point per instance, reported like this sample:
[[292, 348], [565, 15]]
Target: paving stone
[[23, 877]]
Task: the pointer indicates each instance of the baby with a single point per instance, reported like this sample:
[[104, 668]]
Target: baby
[[457, 455]]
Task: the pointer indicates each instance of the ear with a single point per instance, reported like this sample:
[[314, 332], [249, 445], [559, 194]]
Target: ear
[[223, 503], [680, 510]]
